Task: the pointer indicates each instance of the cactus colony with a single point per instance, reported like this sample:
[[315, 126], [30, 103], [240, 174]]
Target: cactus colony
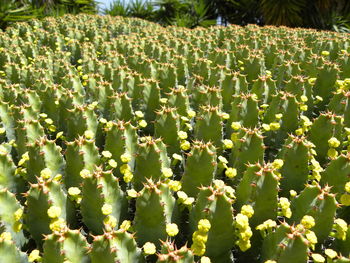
[[123, 141]]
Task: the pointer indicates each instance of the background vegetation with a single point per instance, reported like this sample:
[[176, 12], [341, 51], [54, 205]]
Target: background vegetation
[[319, 14], [22, 10]]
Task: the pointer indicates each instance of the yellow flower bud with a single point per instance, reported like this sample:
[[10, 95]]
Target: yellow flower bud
[[228, 144], [128, 176], [34, 256], [182, 135], [46, 173], [277, 163], [174, 185], [149, 248], [107, 154], [330, 253], [185, 145], [167, 172], [333, 142], [125, 158], [112, 163], [332, 153], [85, 173], [89, 135], [274, 126], [110, 221], [205, 260], [172, 230], [125, 225], [204, 225], [318, 258], [247, 210], [132, 193], [54, 211], [345, 199], [236, 125], [308, 221], [18, 214], [107, 209], [347, 187], [142, 123]]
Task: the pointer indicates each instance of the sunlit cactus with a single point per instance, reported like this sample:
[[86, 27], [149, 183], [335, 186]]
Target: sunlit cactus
[[125, 141]]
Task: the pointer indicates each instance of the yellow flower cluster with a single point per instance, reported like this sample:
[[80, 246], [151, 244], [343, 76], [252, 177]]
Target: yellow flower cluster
[[167, 172], [85, 173], [332, 153], [125, 157], [132, 193], [107, 209], [316, 169], [305, 125], [311, 237], [149, 248], [56, 223], [274, 126], [54, 211], [142, 123], [125, 225], [308, 221], [172, 229], [125, 169], [227, 144], [17, 226], [266, 227], [5, 237], [284, 204], [185, 145], [24, 159], [247, 210], [46, 173], [200, 237], [174, 185], [184, 199], [243, 232], [230, 172], [34, 256], [182, 135], [89, 135], [236, 125], [340, 228], [330, 253], [110, 222], [333, 143], [277, 164], [318, 258], [74, 193], [345, 198]]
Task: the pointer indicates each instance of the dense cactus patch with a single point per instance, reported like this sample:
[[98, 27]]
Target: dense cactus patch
[[123, 141]]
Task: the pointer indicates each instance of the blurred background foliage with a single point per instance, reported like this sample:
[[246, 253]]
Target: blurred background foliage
[[23, 10], [319, 14]]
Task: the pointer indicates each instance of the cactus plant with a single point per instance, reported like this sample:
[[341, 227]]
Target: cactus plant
[[124, 141]]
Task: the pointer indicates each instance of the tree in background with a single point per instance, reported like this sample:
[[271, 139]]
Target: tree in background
[[60, 7], [186, 13], [12, 11], [319, 14], [327, 14], [23, 10], [117, 8]]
